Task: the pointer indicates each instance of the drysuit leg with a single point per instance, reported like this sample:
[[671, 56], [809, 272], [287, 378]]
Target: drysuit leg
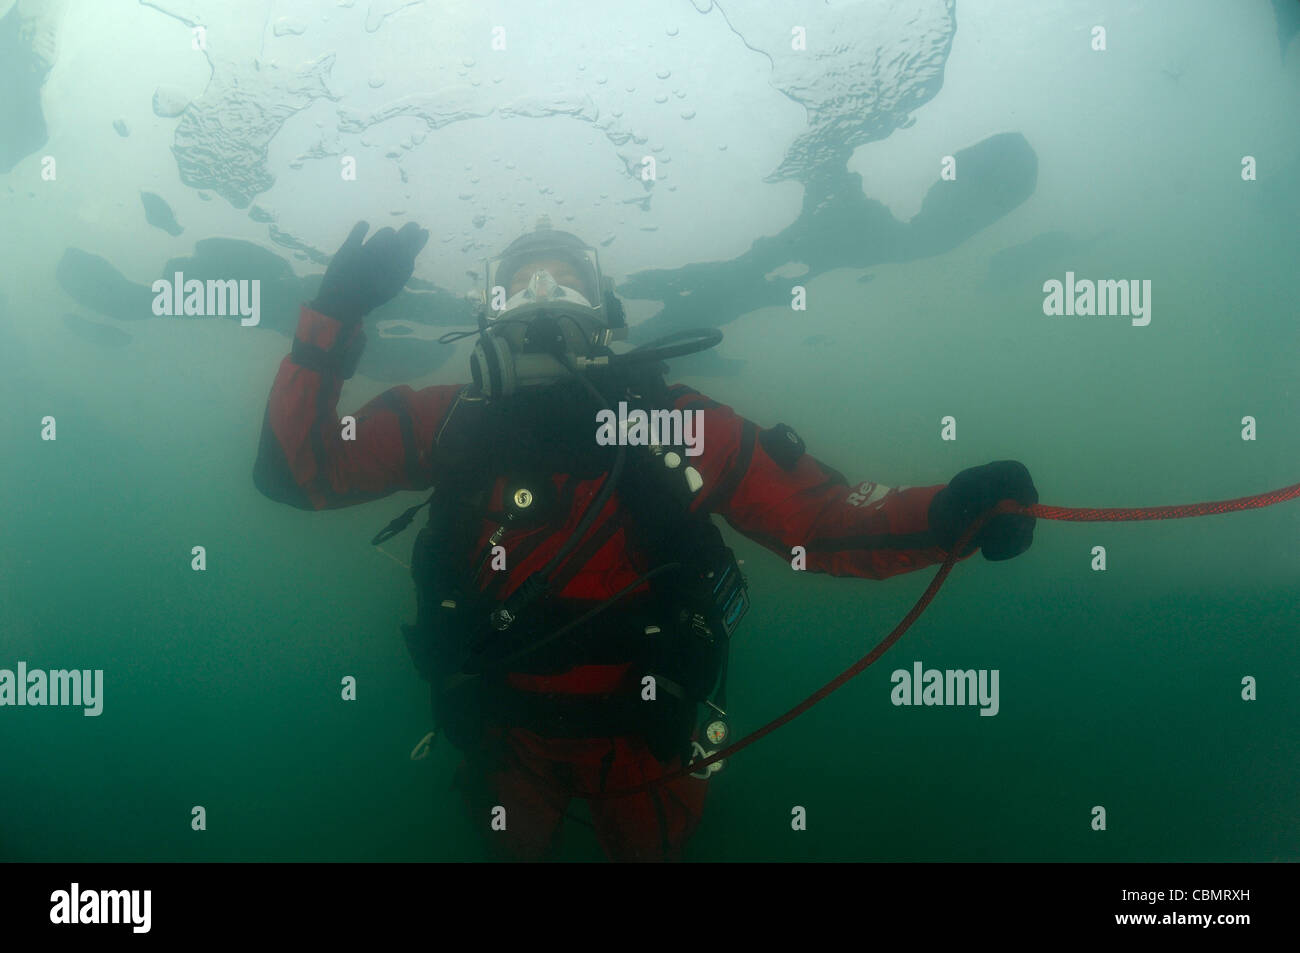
[[654, 825], [515, 801]]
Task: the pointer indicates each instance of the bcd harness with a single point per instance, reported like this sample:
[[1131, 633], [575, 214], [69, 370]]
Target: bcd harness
[[466, 637]]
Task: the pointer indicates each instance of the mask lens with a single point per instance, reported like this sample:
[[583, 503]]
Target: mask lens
[[542, 286]]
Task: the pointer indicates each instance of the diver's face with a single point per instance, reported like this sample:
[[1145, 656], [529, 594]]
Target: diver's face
[[561, 271]]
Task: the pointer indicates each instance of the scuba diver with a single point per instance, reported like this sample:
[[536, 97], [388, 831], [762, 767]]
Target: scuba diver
[[575, 602]]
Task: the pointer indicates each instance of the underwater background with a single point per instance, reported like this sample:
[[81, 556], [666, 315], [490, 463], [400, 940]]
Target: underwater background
[[775, 166]]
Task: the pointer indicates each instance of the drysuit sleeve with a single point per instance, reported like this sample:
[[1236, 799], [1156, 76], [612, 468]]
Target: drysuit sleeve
[[764, 483], [304, 458]]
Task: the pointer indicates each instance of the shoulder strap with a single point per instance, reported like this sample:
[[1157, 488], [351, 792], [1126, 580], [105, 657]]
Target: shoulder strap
[[658, 498]]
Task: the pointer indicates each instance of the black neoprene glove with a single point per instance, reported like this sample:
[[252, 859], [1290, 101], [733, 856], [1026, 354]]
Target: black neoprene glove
[[976, 490], [362, 277]]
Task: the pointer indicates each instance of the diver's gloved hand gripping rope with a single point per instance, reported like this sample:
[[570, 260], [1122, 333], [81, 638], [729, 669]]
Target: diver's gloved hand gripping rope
[[972, 493]]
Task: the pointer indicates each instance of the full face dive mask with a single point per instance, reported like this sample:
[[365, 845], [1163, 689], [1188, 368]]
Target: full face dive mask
[[550, 328]]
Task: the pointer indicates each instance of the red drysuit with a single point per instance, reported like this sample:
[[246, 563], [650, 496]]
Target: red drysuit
[[863, 530]]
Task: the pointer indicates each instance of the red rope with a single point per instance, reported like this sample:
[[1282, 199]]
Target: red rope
[[1063, 513]]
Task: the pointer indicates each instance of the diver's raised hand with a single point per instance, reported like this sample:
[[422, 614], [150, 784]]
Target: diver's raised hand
[[976, 490], [361, 277]]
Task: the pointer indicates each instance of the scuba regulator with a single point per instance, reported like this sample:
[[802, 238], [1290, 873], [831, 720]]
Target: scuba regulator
[[540, 344]]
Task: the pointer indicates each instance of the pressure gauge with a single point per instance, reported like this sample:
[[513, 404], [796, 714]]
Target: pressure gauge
[[717, 732]]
